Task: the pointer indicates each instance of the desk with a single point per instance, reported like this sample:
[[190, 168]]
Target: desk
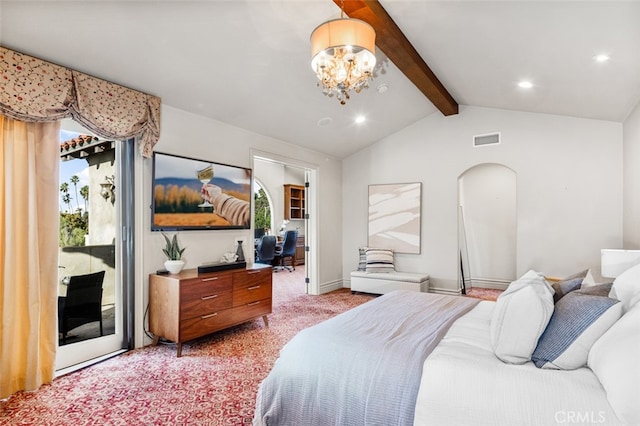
[[300, 250]]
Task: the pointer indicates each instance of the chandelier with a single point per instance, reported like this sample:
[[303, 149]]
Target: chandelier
[[343, 56]]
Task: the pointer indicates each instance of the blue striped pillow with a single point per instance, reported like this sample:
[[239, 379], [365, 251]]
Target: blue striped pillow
[[362, 261], [380, 260], [578, 320]]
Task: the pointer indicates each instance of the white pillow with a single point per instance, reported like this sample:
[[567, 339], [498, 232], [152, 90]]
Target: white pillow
[[379, 260], [588, 280], [626, 288], [614, 360], [521, 315]]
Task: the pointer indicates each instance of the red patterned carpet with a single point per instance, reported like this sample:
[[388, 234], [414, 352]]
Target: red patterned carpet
[[483, 293], [213, 383]]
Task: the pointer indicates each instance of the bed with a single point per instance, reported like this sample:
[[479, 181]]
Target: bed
[[426, 359]]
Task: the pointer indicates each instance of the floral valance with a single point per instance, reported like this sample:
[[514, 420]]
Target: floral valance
[[35, 90]]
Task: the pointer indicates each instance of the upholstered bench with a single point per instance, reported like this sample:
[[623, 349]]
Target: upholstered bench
[[384, 282]]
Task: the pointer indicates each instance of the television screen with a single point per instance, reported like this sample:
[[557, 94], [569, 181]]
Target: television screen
[[195, 194]]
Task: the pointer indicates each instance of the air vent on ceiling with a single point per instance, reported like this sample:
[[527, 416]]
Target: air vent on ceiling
[[484, 140]]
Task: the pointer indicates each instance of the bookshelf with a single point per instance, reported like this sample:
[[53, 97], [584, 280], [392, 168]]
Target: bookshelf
[[294, 207]]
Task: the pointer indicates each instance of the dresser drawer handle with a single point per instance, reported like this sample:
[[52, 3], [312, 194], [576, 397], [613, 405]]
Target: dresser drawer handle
[[213, 296], [209, 316], [255, 287], [253, 272], [253, 303], [209, 279]]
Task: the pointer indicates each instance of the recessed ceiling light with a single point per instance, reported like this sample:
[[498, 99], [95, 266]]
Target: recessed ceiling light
[[525, 84], [325, 121], [382, 88], [360, 119], [603, 57]]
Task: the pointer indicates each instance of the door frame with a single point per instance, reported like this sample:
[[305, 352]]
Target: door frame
[[78, 355], [311, 208]]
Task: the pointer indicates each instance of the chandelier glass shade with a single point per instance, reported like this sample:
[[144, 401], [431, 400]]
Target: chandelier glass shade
[[343, 56]]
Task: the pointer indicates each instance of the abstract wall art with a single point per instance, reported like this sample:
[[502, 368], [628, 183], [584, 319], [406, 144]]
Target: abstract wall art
[[394, 217]]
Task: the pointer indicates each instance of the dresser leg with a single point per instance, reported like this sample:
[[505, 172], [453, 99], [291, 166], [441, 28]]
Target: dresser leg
[[266, 321], [155, 340], [179, 349]]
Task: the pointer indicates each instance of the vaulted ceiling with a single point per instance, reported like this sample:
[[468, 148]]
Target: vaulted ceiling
[[247, 62]]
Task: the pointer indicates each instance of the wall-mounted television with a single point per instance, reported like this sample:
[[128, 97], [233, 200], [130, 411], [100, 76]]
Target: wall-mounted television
[[197, 194]]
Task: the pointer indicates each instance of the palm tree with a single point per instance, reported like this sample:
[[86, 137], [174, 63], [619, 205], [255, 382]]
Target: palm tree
[[64, 188], [74, 180], [66, 198], [84, 193]]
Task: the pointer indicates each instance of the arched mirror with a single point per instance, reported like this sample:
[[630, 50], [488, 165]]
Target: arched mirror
[[487, 226]]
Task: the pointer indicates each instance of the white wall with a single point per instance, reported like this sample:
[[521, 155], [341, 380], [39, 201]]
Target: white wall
[[569, 184], [195, 136], [631, 168], [274, 176]]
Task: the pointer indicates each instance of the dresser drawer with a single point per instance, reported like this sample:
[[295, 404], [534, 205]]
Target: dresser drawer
[[206, 323], [244, 295], [251, 310], [198, 288], [189, 305], [209, 303], [251, 278]]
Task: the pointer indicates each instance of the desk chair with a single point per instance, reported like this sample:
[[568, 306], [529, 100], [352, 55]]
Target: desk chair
[[288, 249], [266, 249], [258, 233], [82, 304]]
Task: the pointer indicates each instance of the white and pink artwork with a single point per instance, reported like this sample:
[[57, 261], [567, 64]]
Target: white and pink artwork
[[394, 217]]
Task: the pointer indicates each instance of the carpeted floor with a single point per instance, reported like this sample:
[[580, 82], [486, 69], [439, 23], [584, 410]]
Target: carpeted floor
[[483, 293], [214, 383]]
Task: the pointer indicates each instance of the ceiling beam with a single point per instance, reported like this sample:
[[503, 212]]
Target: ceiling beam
[[391, 40]]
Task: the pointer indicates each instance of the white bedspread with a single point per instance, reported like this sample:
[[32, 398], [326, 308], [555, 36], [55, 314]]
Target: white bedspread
[[361, 367], [463, 383]]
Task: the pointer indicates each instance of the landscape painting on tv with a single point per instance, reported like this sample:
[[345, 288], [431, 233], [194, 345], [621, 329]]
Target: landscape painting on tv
[[178, 202]]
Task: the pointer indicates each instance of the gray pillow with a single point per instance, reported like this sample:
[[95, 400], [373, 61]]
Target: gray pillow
[[562, 288], [568, 284]]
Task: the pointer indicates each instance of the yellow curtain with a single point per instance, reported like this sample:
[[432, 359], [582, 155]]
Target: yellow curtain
[[29, 162]]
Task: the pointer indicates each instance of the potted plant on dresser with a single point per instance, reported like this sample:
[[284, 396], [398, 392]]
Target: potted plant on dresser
[[172, 250]]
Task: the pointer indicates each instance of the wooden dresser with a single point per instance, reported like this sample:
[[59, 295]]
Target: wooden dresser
[[188, 305]]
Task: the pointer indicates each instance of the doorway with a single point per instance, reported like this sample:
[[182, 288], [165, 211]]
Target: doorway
[[487, 226], [273, 173], [91, 213]]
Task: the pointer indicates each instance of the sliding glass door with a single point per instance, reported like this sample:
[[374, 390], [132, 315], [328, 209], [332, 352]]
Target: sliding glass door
[[95, 247]]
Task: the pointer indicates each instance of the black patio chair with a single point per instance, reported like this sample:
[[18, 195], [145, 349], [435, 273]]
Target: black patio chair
[[82, 304]]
